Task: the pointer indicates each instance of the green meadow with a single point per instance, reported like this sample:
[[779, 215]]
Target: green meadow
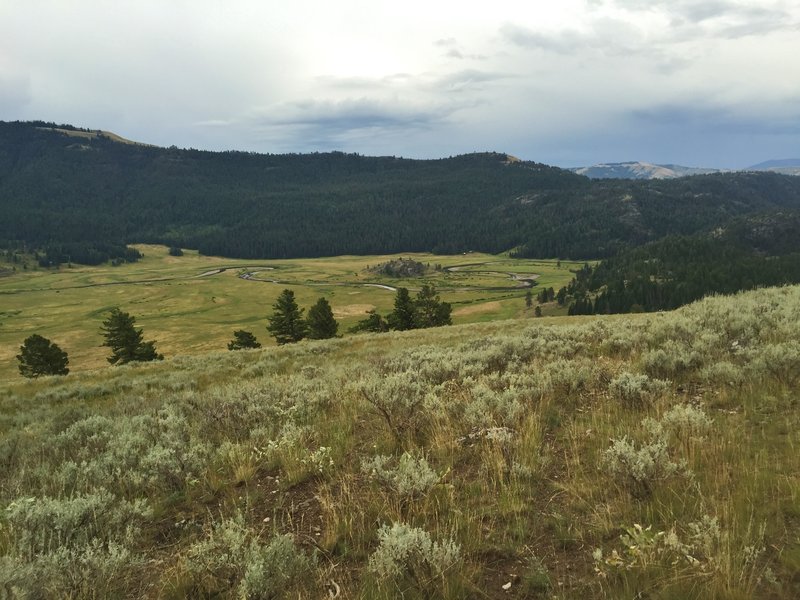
[[192, 304]]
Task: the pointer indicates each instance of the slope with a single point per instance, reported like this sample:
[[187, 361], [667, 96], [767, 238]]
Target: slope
[[59, 189], [608, 458]]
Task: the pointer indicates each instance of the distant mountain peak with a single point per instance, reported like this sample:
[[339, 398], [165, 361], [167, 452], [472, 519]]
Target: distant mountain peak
[[776, 164], [782, 166], [645, 170], [638, 170]]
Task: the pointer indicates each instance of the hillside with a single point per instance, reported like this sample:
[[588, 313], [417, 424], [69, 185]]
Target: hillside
[[648, 456], [749, 252], [76, 195]]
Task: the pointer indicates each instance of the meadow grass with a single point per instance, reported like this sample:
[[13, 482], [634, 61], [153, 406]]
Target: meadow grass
[[187, 313], [605, 457]]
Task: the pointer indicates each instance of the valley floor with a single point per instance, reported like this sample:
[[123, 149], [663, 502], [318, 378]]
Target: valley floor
[[191, 304]]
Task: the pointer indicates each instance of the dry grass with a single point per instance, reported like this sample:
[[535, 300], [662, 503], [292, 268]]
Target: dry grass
[[516, 418]]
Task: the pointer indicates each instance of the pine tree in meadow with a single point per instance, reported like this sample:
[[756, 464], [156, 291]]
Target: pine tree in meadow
[[125, 340], [402, 317], [286, 323], [321, 322], [39, 356], [243, 340]]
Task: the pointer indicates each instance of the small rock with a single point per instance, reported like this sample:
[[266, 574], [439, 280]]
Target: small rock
[[507, 586]]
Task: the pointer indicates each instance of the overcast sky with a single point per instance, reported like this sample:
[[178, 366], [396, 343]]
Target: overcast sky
[[567, 82]]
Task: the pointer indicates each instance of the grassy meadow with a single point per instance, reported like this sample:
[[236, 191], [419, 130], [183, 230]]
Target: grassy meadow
[[646, 456], [189, 308]]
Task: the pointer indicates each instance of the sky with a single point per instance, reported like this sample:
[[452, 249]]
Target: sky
[[711, 83]]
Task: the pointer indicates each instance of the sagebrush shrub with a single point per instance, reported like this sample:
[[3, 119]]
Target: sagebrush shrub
[[406, 552], [635, 390], [409, 476], [232, 558], [640, 467]]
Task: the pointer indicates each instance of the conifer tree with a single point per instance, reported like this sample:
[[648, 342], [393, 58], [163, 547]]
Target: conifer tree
[[39, 356], [374, 323], [429, 310], [402, 317], [321, 322], [286, 323], [243, 340], [125, 340]]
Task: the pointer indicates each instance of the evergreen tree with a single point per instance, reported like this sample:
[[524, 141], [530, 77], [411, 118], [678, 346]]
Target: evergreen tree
[[39, 356], [125, 340], [430, 311], [321, 323], [537, 312], [242, 340], [528, 299], [402, 317], [286, 323], [374, 323]]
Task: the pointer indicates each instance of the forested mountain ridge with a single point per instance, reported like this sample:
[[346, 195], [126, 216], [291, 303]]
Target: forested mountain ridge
[[58, 189]]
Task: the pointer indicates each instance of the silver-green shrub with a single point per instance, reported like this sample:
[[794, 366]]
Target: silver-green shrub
[[409, 477], [635, 390], [640, 466], [686, 420], [72, 546], [231, 558], [406, 552]]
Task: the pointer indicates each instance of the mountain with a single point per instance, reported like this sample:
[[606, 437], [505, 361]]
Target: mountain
[[776, 164], [785, 166], [639, 170], [73, 192], [644, 170]]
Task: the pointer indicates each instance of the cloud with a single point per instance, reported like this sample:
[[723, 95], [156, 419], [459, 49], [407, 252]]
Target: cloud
[[720, 120], [718, 18], [608, 36], [15, 91], [328, 124], [562, 42], [467, 79], [454, 50]]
